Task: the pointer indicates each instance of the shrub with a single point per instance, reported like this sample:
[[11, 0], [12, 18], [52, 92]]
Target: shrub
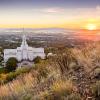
[[11, 64], [2, 70], [10, 76], [37, 60], [96, 73], [6, 77], [2, 78], [27, 96], [96, 90], [65, 60], [74, 96], [43, 72], [62, 88], [23, 70]]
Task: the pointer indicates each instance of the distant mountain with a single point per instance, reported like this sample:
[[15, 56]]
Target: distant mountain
[[35, 30]]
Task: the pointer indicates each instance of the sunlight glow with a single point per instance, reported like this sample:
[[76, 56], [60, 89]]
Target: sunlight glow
[[91, 27]]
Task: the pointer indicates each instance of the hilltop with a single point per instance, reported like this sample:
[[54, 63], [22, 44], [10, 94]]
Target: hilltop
[[71, 74]]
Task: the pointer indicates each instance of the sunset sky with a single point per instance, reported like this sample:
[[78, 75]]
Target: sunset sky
[[49, 13]]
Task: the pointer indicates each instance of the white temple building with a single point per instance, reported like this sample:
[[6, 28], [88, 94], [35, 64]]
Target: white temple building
[[24, 52]]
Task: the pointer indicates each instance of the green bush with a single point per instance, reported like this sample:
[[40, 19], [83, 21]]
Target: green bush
[[6, 77], [23, 70], [10, 76], [37, 60], [2, 70], [11, 64]]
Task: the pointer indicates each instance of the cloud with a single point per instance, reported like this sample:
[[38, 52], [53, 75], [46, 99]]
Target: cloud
[[98, 7], [53, 10]]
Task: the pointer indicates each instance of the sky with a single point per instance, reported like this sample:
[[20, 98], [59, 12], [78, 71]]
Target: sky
[[49, 13]]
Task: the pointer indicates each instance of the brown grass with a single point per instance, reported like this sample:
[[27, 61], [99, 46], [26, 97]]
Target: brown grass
[[46, 81]]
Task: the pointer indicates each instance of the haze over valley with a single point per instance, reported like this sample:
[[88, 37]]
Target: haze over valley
[[47, 37]]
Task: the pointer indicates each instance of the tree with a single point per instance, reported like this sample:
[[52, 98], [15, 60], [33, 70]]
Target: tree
[[11, 64]]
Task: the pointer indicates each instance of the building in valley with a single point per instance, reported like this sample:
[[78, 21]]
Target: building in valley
[[24, 52]]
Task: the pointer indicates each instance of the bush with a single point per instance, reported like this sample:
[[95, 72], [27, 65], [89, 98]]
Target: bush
[[96, 73], [11, 64], [96, 90], [62, 88], [23, 70], [37, 60], [65, 60], [10, 76], [74, 96], [2, 78], [2, 70], [6, 77], [43, 72]]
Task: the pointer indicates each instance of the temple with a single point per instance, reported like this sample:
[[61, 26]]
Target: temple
[[24, 52]]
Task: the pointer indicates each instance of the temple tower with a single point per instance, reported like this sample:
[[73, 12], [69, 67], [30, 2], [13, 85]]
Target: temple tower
[[24, 47]]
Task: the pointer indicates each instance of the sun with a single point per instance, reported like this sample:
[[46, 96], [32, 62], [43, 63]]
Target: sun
[[91, 27]]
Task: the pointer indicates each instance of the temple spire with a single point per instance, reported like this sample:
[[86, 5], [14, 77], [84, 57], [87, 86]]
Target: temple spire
[[24, 42]]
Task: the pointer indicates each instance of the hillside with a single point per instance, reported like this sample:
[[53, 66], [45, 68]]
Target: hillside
[[72, 74]]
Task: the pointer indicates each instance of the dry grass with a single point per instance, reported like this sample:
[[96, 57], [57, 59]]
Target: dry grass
[[46, 81], [28, 84], [17, 86], [62, 87], [89, 56]]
